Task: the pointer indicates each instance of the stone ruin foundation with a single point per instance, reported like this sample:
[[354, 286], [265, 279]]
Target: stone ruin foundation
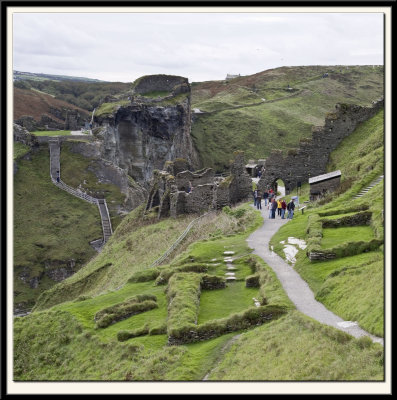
[[169, 188]]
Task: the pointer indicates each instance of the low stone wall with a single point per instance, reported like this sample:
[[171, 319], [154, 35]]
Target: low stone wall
[[212, 282], [252, 281], [345, 250], [244, 320], [314, 232], [362, 218]]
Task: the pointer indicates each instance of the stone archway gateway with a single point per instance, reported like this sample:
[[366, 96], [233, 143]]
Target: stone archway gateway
[[278, 185]]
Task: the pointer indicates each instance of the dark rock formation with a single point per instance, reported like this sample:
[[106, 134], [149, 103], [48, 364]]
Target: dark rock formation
[[141, 134], [22, 135], [59, 271], [161, 83], [73, 120], [27, 122], [107, 172]]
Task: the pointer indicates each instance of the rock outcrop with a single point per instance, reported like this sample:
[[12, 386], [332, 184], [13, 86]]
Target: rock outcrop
[[22, 135], [149, 126], [108, 173]]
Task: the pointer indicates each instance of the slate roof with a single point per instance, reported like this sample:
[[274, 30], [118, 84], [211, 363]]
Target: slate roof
[[324, 177]]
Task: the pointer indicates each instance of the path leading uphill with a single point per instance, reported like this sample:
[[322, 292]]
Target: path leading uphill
[[55, 170], [296, 288]]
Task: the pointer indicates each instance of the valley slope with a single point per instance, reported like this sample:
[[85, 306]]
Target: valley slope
[[61, 339]]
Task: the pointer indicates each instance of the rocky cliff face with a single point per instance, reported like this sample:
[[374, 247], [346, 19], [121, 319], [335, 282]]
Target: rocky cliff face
[[148, 127]]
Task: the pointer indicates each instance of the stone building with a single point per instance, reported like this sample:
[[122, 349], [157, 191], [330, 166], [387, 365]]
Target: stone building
[[231, 76], [254, 166], [325, 183]]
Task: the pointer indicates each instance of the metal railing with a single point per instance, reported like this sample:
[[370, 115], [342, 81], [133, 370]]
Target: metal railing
[[177, 242], [105, 219]]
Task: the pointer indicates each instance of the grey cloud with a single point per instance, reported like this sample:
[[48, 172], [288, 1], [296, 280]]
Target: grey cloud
[[200, 46]]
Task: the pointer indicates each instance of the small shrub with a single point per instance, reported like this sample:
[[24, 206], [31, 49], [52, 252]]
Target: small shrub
[[236, 213], [130, 307], [252, 281], [145, 276], [166, 273], [158, 330], [122, 336], [364, 342], [82, 298]]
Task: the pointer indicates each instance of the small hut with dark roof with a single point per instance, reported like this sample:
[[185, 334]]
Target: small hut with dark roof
[[321, 184]]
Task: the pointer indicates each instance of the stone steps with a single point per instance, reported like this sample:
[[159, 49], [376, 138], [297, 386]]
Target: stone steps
[[55, 172], [369, 187]]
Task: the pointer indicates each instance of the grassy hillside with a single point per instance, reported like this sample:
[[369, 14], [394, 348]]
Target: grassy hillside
[[83, 94], [297, 348], [36, 103], [45, 219], [45, 234], [113, 319], [259, 113], [138, 241], [351, 286], [290, 347], [19, 75]]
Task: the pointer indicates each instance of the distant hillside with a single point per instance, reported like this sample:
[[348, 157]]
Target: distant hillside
[[36, 103], [84, 94], [274, 109], [19, 75], [36, 110]]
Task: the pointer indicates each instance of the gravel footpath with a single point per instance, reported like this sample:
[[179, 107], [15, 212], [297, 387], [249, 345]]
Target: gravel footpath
[[296, 288]]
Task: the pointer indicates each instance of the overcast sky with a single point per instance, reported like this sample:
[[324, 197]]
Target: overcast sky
[[199, 46]]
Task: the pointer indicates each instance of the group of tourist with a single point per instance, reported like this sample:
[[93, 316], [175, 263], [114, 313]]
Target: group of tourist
[[274, 205]]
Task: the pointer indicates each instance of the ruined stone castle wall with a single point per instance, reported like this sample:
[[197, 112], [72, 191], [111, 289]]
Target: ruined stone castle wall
[[208, 191], [160, 83], [311, 157], [183, 178]]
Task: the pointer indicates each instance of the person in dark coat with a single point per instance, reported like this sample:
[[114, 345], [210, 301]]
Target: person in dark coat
[[259, 200], [255, 196], [274, 207], [265, 196], [291, 208]]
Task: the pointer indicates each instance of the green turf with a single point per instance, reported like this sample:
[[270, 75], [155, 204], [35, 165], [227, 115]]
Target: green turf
[[335, 236], [51, 133], [45, 234]]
